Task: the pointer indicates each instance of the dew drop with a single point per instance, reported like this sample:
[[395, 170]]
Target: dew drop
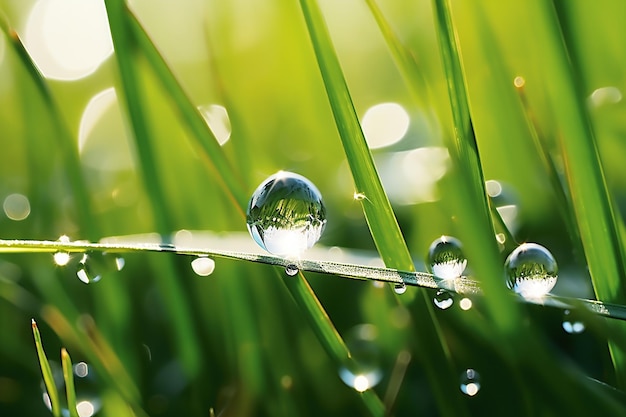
[[62, 258], [571, 324], [446, 260], [443, 299], [203, 266], [94, 265], [291, 270], [364, 371], [286, 215], [85, 384], [531, 270], [399, 288], [470, 382]]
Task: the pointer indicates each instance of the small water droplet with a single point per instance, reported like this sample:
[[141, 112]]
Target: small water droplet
[[470, 382], [443, 299], [94, 265], [364, 371], [291, 270], [286, 215], [399, 288], [571, 324], [446, 260], [531, 270], [85, 384], [203, 266], [62, 258]]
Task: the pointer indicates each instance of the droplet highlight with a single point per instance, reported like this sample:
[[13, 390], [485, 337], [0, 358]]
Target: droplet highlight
[[286, 215], [470, 382], [62, 258], [531, 271], [94, 265], [446, 260], [291, 270], [203, 266], [364, 372], [571, 323], [443, 299]]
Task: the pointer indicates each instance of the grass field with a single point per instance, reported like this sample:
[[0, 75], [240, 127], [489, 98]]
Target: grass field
[[154, 122]]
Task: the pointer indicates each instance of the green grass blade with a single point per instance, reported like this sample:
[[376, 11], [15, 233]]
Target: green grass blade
[[593, 209], [68, 376], [477, 229], [134, 96], [380, 217], [190, 115], [46, 372]]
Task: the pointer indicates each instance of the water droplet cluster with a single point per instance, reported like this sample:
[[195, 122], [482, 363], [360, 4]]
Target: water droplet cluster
[[286, 215]]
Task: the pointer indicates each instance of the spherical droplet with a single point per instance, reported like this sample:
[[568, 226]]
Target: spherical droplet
[[203, 266], [286, 215], [62, 258], [470, 382], [94, 265], [445, 258], [571, 324], [364, 371], [443, 299], [399, 288], [531, 270], [291, 270]]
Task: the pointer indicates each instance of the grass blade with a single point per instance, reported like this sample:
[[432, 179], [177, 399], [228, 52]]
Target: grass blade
[[46, 372], [68, 376], [134, 96], [380, 217], [593, 208], [475, 217], [190, 115]]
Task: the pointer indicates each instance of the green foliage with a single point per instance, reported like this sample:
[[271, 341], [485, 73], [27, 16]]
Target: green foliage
[[296, 80]]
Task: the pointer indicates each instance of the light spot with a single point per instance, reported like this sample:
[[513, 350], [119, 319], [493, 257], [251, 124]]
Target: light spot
[[16, 207], [385, 124], [605, 95], [465, 304], [68, 39], [102, 137], [85, 409], [203, 266], [217, 118], [519, 82], [493, 187], [361, 383]]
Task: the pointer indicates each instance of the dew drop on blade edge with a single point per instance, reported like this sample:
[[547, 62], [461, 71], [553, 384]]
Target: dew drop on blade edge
[[531, 271]]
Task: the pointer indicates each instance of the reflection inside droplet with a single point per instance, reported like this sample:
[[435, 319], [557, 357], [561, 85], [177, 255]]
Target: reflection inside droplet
[[291, 270], [399, 288], [286, 215], [445, 259], [443, 299], [16, 207], [531, 271], [94, 265]]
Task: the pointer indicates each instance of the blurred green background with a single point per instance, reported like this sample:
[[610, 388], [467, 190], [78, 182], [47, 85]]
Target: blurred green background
[[235, 341]]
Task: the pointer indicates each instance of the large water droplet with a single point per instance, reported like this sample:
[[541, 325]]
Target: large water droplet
[[286, 215], [470, 382], [571, 323], [85, 385], [531, 270], [203, 266], [446, 260], [443, 299], [94, 265], [364, 371]]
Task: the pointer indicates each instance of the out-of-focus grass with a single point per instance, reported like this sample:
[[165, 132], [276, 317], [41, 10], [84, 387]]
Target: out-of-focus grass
[[253, 351]]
